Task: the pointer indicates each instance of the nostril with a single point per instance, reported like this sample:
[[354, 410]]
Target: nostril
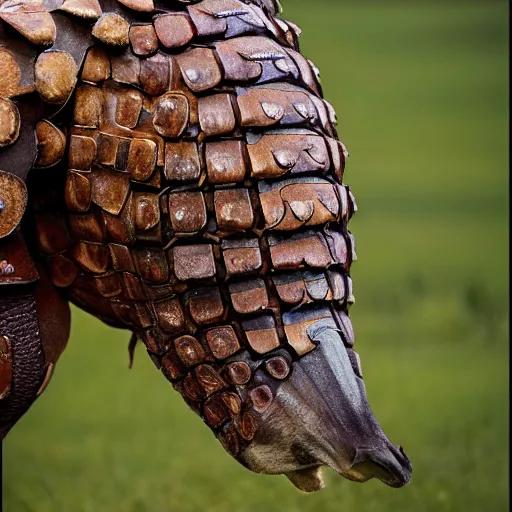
[[405, 459], [401, 457]]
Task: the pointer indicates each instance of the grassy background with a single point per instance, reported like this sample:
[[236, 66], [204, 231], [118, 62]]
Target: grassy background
[[421, 93]]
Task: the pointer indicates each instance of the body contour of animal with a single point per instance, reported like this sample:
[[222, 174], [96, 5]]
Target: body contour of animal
[[171, 167]]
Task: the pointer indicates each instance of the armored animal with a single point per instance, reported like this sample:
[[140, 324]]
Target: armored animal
[[171, 167]]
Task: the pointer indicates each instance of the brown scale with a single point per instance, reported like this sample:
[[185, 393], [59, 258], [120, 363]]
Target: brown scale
[[202, 200]]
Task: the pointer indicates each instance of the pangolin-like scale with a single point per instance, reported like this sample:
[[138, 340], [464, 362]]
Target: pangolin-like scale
[[185, 183]]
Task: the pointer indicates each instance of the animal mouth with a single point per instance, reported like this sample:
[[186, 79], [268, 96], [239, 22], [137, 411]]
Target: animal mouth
[[391, 466], [383, 461], [308, 479]]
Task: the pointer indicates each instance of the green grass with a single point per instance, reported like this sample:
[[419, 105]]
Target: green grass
[[421, 93]]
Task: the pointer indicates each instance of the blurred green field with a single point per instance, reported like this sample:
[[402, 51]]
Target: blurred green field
[[421, 91]]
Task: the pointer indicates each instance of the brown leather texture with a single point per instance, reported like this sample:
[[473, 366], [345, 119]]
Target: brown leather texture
[[19, 322], [54, 318]]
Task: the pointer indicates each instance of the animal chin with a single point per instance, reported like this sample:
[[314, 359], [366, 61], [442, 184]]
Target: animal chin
[[307, 480]]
